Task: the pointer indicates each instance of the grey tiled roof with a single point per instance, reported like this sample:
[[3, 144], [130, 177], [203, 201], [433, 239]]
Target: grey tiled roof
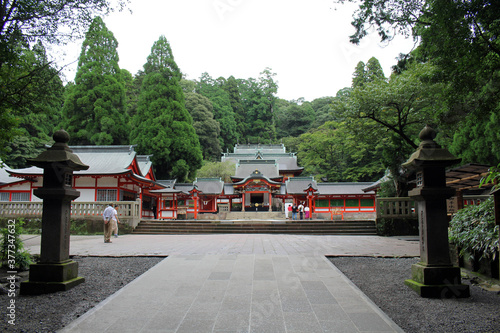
[[105, 159], [297, 185], [268, 168], [228, 189], [253, 148], [4, 175], [184, 187], [145, 163], [210, 185], [343, 188]]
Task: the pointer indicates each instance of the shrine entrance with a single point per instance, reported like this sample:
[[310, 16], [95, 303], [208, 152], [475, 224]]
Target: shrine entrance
[[257, 192]]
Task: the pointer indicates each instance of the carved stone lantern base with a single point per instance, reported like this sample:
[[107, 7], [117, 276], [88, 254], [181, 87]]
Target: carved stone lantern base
[[437, 281], [50, 278]]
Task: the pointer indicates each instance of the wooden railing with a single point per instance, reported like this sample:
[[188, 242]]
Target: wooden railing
[[403, 207], [127, 210]]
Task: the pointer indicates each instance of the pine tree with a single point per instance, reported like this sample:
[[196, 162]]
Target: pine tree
[[95, 108], [162, 125]]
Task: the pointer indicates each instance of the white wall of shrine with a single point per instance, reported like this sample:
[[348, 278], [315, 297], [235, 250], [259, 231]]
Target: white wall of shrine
[[107, 182], [86, 194]]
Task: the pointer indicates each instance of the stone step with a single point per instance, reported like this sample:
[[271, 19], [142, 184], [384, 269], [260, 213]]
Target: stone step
[[302, 227]]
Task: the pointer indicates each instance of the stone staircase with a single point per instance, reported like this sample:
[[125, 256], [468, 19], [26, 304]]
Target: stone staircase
[[309, 227]]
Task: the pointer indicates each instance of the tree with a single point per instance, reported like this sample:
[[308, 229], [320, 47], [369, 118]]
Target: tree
[[258, 99], [36, 123], [393, 111], [387, 16], [163, 126], [224, 170], [207, 128], [95, 107], [223, 112], [402, 105], [294, 119], [232, 89], [359, 75], [333, 153], [461, 38], [25, 23]]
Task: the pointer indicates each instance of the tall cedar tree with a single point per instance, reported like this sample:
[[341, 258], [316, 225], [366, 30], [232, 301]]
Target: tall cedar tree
[[162, 125], [95, 108]]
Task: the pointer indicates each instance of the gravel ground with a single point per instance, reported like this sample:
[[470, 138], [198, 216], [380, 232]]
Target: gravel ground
[[49, 313], [382, 280]]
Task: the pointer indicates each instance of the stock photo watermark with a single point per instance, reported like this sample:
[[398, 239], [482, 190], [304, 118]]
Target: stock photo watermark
[[11, 247], [223, 7]]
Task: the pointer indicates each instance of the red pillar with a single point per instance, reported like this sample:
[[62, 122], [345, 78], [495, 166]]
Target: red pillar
[[195, 206]]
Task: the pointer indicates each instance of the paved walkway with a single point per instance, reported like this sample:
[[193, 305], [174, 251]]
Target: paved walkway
[[238, 283]]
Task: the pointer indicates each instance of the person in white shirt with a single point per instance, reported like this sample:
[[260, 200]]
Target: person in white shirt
[[301, 211], [110, 216]]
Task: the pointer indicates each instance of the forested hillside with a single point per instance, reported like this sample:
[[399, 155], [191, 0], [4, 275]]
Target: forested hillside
[[451, 82]]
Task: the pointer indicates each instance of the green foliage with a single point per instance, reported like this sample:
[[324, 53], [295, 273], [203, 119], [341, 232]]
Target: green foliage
[[473, 230], [397, 227], [389, 17], [258, 100], [12, 248], [94, 109], [493, 177], [231, 87], [27, 79], [222, 109], [294, 119], [461, 39], [207, 128], [224, 170], [332, 153], [162, 126], [36, 110], [386, 115]]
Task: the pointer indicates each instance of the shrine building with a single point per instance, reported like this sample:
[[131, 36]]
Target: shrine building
[[266, 178]]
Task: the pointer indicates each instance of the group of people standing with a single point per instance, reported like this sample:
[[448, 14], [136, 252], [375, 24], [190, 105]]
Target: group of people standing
[[301, 210], [110, 216]]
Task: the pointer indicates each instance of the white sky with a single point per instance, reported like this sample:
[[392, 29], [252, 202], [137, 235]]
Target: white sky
[[306, 43]]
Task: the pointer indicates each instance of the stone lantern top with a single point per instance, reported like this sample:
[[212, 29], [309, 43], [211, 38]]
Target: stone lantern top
[[59, 153], [429, 152]]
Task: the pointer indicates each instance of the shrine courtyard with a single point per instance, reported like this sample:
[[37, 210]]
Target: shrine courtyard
[[238, 283]]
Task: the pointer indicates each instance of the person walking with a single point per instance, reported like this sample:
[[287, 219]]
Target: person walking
[[110, 216]]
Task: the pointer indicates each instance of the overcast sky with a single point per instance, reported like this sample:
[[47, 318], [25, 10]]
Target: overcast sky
[[306, 43]]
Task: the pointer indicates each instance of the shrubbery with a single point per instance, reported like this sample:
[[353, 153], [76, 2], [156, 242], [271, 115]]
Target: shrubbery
[[12, 248], [473, 230]]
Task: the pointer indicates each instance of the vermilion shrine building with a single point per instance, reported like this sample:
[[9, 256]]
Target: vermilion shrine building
[[267, 178]]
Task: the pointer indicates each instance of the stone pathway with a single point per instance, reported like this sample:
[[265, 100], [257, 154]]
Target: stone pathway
[[238, 283]]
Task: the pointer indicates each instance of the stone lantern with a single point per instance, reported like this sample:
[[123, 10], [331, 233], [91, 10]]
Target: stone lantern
[[434, 276], [55, 271]]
